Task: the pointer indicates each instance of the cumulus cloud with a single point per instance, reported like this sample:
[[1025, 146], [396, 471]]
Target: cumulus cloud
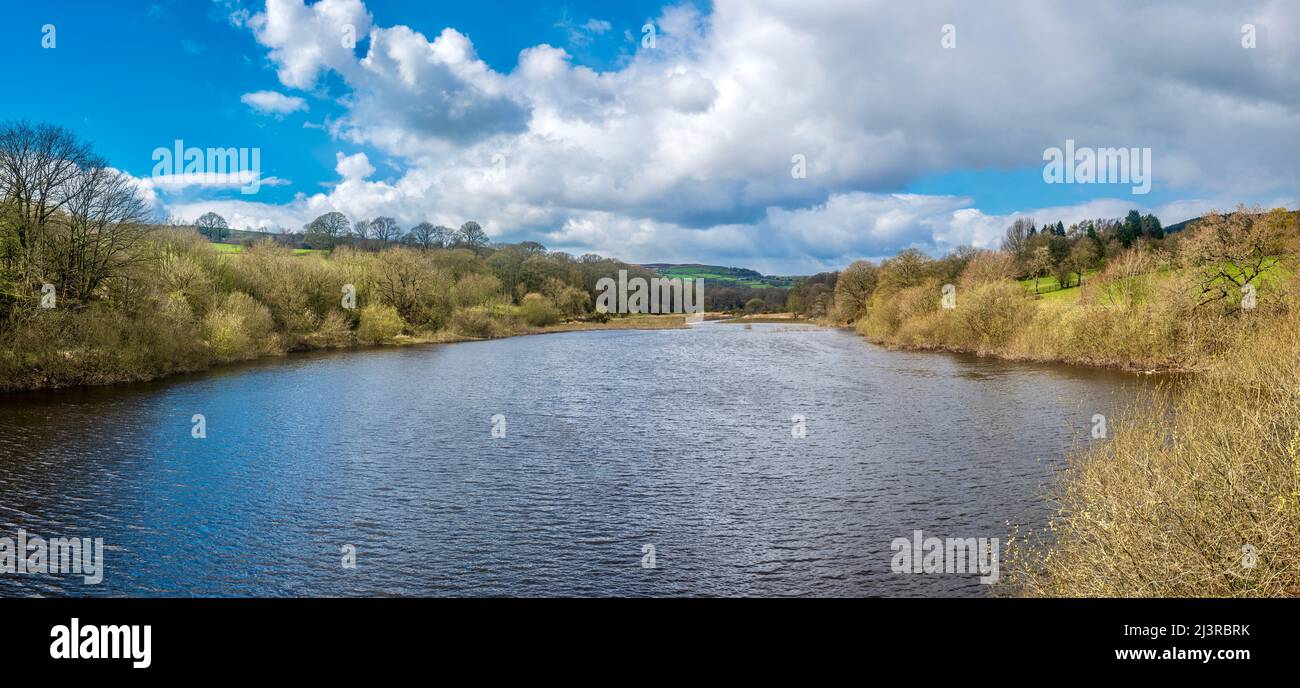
[[684, 151], [273, 103], [353, 166], [304, 40]]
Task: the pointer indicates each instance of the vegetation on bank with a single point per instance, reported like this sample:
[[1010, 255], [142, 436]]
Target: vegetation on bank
[[1193, 493], [93, 292], [1168, 303]]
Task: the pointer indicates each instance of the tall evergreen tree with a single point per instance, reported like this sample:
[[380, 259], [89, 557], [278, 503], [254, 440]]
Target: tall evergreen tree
[[1151, 227], [1130, 229]]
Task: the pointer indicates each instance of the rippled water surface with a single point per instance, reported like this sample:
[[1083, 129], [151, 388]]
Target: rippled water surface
[[614, 440]]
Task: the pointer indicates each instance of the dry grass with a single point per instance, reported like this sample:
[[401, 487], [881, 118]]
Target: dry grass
[[1196, 491], [1192, 488]]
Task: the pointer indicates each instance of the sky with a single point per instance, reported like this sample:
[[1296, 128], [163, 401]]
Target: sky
[[787, 136]]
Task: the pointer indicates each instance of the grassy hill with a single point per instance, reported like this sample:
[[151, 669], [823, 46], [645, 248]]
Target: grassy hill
[[719, 276], [1180, 226]]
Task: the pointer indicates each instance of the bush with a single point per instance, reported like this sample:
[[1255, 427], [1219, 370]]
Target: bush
[[480, 323], [239, 328], [538, 311], [988, 266], [334, 331], [989, 314], [476, 290], [380, 324], [1196, 494], [571, 301]]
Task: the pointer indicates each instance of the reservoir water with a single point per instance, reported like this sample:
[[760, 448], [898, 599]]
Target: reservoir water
[[771, 460]]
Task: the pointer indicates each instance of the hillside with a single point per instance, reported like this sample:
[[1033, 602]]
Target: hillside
[[1180, 226], [721, 276]]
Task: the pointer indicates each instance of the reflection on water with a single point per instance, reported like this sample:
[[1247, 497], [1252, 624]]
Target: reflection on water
[[614, 440]]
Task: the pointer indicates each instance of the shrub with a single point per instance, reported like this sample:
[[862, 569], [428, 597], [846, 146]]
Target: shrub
[[571, 301], [239, 328], [988, 266], [380, 324], [1196, 493], [476, 290], [989, 314], [334, 331], [538, 311], [479, 323]]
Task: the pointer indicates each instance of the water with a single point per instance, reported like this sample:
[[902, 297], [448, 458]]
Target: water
[[680, 439]]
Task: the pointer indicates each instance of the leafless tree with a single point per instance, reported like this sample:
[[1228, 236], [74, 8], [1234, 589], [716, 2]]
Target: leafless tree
[[326, 230], [1232, 250], [212, 226], [361, 230], [385, 229], [68, 219], [37, 162], [1016, 240], [425, 235], [99, 231]]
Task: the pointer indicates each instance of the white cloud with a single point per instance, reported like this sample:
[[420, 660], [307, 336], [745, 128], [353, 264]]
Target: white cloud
[[273, 103], [353, 166], [684, 151], [305, 40]]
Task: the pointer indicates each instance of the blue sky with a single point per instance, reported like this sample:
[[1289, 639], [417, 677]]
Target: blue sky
[[134, 75], [551, 121]]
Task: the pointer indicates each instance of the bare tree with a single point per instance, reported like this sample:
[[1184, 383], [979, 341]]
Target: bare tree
[[385, 228], [1016, 240], [1233, 250], [471, 236], [443, 236], [212, 226], [361, 230], [37, 162], [326, 230], [68, 219], [99, 232], [425, 235]]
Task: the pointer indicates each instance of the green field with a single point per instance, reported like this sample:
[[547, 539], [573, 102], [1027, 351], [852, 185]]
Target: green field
[[721, 276], [1050, 289], [236, 248]]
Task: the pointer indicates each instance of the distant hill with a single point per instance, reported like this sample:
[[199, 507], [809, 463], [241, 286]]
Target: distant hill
[[720, 276], [1180, 226]]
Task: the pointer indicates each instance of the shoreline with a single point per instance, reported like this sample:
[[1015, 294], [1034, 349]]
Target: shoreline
[[636, 322], [1133, 367]]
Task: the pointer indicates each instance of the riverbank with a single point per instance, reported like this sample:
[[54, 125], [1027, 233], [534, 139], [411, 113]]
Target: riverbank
[[1187, 494], [770, 318], [1162, 332], [176, 305], [88, 369]]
